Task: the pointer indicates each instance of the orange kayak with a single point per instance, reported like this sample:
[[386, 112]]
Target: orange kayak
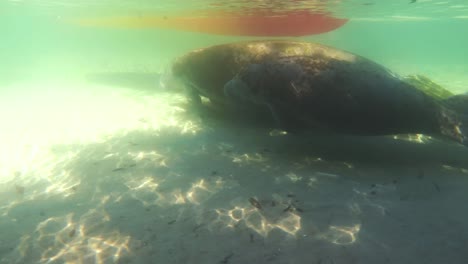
[[292, 23]]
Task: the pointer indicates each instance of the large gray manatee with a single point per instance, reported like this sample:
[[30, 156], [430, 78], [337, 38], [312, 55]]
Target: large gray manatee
[[307, 85], [350, 97]]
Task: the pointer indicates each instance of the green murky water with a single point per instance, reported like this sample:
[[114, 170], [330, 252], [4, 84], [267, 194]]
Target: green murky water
[[425, 37]]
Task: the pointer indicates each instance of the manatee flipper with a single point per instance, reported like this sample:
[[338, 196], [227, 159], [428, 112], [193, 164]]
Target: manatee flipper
[[237, 92], [241, 90], [241, 95], [193, 95]]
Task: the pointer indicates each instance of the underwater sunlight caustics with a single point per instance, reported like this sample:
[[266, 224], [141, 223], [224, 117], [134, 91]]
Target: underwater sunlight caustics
[[233, 131]]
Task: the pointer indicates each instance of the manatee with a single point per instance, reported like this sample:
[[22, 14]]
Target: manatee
[[307, 86], [357, 97], [205, 71]]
